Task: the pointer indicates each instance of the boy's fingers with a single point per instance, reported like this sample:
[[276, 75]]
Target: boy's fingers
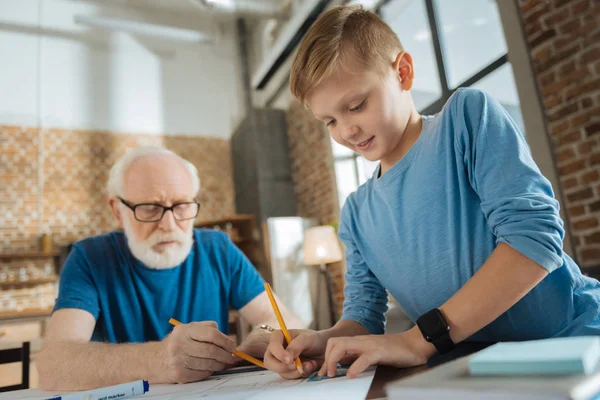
[[277, 350], [298, 345], [273, 364], [358, 366], [322, 370], [308, 367], [337, 352], [286, 371], [331, 343], [291, 375], [348, 359]]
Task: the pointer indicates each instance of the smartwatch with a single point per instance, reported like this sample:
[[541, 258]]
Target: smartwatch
[[436, 330]]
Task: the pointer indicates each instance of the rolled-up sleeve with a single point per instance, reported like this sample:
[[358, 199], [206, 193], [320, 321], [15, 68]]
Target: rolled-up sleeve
[[516, 198]]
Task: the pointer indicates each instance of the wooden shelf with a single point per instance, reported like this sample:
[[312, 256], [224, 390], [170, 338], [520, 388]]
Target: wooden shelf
[[29, 282], [15, 256], [26, 313], [232, 218], [242, 224]]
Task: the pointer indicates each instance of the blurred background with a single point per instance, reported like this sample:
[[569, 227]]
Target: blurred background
[[82, 81]]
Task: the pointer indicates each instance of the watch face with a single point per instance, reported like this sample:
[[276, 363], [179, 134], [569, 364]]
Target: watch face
[[439, 326], [433, 324]]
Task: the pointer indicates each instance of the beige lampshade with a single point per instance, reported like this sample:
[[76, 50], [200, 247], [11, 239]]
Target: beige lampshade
[[321, 246]]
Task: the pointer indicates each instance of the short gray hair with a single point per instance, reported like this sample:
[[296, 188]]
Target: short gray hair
[[116, 177]]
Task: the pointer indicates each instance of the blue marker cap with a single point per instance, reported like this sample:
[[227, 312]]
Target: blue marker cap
[[146, 386]]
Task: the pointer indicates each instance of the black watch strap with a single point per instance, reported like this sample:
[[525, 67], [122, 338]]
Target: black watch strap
[[444, 344], [436, 330]]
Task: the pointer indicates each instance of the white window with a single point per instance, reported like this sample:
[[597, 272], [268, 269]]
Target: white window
[[458, 43]]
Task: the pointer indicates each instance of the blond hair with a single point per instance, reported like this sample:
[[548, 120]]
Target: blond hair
[[342, 37]]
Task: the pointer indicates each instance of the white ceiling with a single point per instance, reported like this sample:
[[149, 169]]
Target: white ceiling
[[174, 6]]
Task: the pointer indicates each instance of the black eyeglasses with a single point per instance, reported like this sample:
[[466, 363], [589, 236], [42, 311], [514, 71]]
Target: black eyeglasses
[[151, 212]]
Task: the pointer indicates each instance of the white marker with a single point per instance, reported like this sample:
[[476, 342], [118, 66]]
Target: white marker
[[108, 393]]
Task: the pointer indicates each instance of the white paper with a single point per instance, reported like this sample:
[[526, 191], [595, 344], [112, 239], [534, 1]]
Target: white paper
[[264, 385], [259, 385]]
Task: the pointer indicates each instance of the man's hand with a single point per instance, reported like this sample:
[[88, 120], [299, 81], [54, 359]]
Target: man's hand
[[255, 343], [396, 350], [194, 351], [310, 345]]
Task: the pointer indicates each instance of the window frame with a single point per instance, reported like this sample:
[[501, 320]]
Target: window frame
[[437, 41]]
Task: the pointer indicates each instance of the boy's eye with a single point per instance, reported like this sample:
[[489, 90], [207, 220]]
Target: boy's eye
[[358, 107], [328, 123]]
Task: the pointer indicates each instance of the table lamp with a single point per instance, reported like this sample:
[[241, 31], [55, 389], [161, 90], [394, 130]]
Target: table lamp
[[321, 246]]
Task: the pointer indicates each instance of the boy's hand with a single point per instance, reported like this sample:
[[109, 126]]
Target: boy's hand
[[309, 345], [395, 350]]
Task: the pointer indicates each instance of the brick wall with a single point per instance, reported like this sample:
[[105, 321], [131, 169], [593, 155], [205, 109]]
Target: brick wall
[[53, 181], [314, 179], [564, 40]]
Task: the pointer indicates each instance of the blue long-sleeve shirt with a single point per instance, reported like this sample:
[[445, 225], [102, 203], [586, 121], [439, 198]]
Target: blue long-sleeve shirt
[[427, 225]]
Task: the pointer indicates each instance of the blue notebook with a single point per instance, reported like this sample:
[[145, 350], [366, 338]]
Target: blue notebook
[[556, 356]]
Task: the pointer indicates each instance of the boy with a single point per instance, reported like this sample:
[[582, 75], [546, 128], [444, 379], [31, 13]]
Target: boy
[[457, 222]]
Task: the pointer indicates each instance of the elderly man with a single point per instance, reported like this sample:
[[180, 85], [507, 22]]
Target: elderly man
[[118, 290]]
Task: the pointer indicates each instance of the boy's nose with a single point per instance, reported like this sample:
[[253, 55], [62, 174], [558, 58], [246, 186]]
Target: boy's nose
[[350, 131]]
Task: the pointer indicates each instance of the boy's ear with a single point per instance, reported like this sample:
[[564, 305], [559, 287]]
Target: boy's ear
[[403, 65]]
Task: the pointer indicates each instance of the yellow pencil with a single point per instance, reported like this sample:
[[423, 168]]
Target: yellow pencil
[[238, 353], [286, 334], [248, 357]]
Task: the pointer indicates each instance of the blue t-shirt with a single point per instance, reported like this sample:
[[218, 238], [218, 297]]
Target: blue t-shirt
[[427, 225], [133, 303]]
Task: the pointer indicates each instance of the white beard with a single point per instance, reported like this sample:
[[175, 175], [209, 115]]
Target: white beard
[[170, 258]]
